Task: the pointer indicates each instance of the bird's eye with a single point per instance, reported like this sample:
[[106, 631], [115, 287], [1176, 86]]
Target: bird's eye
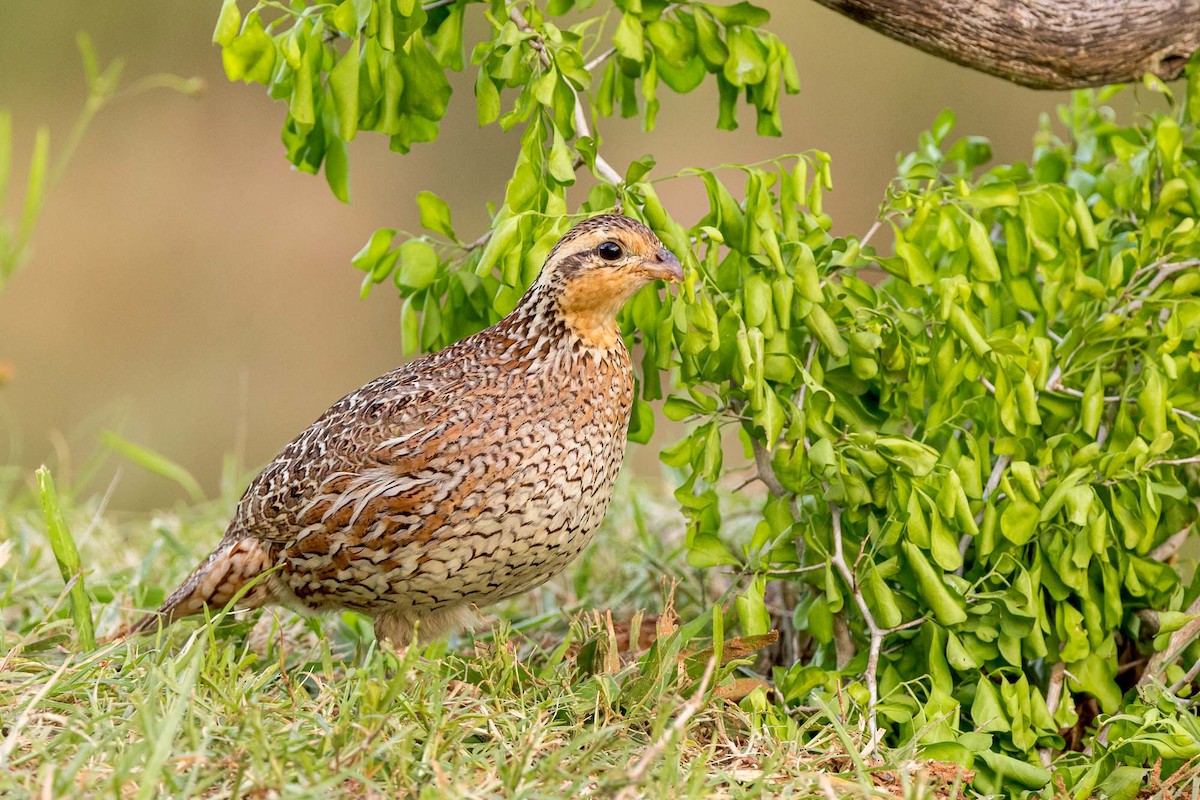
[[610, 251]]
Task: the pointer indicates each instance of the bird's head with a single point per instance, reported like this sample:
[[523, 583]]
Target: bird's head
[[597, 266]]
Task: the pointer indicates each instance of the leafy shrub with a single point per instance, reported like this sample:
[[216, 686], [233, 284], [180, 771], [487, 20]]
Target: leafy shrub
[[979, 466]]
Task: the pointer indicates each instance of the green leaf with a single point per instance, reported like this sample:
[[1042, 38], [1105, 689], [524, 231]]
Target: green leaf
[[67, 556], [770, 418], [447, 43], [35, 186], [983, 258], [410, 327], [673, 42], [711, 47], [229, 22], [1025, 774], [1001, 194], [747, 62], [155, 463], [487, 99], [946, 608], [250, 57], [920, 271], [1019, 521], [639, 168], [560, 164], [418, 265], [628, 38], [374, 250], [337, 163], [435, 215], [826, 330], [641, 422], [1093, 403], [343, 85], [706, 550], [987, 710], [742, 13]]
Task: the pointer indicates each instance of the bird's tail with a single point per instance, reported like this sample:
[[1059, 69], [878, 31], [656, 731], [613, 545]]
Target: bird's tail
[[212, 585]]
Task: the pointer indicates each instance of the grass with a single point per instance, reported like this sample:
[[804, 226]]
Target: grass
[[547, 701]]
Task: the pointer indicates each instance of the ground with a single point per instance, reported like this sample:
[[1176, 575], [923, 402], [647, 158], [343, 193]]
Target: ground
[[548, 699]]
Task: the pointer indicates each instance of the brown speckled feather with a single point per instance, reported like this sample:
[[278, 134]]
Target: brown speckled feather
[[460, 479]]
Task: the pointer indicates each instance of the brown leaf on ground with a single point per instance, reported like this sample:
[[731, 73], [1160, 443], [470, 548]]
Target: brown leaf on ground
[[739, 688], [946, 781], [735, 648]]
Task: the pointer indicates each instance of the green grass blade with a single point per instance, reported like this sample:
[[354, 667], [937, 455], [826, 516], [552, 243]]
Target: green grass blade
[[35, 190], [152, 461], [67, 556], [163, 734], [5, 154]]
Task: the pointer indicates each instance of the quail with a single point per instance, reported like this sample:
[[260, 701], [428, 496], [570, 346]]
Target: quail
[[462, 478]]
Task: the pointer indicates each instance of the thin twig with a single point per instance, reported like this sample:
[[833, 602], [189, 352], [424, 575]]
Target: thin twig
[[1187, 678], [875, 643], [604, 169], [1054, 689], [1168, 549], [1173, 461], [1057, 388], [1165, 270], [870, 232], [766, 474], [600, 59]]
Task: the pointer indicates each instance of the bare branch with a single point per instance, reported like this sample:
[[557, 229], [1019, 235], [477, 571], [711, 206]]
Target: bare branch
[[876, 634], [1156, 668], [1054, 690], [1044, 44], [600, 59], [1167, 550]]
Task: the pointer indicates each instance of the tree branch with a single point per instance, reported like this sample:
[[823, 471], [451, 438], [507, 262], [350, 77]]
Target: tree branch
[[1043, 44], [876, 634]]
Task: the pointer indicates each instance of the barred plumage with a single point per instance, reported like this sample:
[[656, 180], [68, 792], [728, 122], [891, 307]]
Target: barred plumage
[[462, 478]]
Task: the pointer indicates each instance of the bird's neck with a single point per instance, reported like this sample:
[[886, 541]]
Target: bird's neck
[[583, 312]]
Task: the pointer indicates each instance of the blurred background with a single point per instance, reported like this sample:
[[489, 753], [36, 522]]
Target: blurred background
[[193, 292]]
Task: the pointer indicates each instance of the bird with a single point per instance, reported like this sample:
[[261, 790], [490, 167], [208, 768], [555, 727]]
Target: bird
[[462, 478]]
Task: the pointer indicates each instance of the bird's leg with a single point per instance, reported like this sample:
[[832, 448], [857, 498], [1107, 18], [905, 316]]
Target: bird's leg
[[395, 630]]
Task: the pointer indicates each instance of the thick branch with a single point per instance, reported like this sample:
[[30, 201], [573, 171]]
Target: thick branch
[[1043, 44]]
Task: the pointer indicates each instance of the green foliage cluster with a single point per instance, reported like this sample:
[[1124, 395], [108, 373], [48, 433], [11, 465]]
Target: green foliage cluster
[[380, 65], [979, 467]]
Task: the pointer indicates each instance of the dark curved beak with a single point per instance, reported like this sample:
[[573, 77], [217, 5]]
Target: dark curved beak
[[663, 265]]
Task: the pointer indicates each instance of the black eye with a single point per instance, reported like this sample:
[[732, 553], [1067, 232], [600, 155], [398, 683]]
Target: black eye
[[610, 251]]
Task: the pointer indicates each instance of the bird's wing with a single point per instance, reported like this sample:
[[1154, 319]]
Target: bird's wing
[[368, 445]]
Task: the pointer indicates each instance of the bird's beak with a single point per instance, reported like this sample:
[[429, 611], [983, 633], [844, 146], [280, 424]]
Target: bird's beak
[[663, 265]]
